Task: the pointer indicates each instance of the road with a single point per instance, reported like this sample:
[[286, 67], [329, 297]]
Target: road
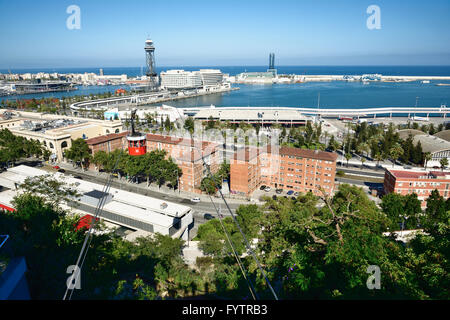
[[201, 206], [364, 172]]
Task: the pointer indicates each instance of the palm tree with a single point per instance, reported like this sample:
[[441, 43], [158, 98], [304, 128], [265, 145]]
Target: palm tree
[[427, 157], [362, 162], [326, 134], [395, 152], [444, 163], [379, 157], [348, 156], [363, 147]]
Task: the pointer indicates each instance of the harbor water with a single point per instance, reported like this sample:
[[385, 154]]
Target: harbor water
[[335, 94]]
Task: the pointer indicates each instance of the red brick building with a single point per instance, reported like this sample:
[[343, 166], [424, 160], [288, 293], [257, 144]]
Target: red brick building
[[286, 168], [108, 143], [245, 171], [417, 181], [185, 153]]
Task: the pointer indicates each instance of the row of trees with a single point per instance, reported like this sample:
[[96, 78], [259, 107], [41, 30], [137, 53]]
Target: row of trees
[[430, 128], [13, 148], [153, 165], [311, 252], [380, 143]]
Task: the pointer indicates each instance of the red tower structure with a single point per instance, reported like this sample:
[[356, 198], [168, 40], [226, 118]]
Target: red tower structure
[[137, 142]]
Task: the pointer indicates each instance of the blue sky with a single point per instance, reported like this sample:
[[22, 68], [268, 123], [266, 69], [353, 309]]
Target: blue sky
[[33, 34]]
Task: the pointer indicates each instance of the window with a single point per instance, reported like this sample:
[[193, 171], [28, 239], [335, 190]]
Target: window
[[64, 144], [51, 145]]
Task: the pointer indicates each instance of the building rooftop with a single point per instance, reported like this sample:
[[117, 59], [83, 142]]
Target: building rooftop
[[403, 134], [431, 144], [251, 114], [419, 174], [247, 153], [124, 203], [106, 138], [306, 153], [445, 135]]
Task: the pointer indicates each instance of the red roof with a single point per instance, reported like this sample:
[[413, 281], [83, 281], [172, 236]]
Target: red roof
[[418, 175], [305, 153], [106, 138]]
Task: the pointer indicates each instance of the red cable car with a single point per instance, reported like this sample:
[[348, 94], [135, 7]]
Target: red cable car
[[137, 142]]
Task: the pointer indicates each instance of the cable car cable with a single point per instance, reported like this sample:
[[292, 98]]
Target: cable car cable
[[244, 273], [240, 230]]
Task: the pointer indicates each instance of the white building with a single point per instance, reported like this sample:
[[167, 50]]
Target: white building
[[121, 207], [211, 77], [180, 79], [163, 111]]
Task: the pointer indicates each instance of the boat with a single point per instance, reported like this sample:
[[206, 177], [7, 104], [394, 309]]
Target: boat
[[426, 81]]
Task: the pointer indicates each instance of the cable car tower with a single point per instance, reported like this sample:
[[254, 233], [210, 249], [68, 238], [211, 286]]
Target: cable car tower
[[137, 142], [151, 69]]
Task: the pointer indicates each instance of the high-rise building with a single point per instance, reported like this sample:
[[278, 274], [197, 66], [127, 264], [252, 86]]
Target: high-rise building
[[101, 72]]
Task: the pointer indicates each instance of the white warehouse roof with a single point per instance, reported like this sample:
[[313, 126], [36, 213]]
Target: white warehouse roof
[[136, 206]]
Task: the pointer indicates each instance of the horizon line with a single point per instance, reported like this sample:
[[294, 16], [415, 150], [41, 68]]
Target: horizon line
[[228, 66]]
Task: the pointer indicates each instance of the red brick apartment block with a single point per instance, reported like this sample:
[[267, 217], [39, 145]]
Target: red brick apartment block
[[187, 154], [287, 168], [417, 181]]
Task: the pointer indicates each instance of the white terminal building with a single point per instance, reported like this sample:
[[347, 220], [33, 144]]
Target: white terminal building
[[181, 79], [143, 214]]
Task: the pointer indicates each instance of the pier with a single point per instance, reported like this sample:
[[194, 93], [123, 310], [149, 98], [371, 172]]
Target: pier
[[145, 99]]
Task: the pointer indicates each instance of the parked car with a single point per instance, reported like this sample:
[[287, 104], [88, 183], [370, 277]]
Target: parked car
[[262, 187], [78, 177], [279, 191], [61, 170], [296, 194], [267, 189], [290, 192], [208, 216], [196, 199], [56, 167]]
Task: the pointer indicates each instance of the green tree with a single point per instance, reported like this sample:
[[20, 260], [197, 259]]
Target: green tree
[[333, 145], [402, 209], [427, 157], [435, 212], [347, 156], [189, 125], [208, 185], [100, 159], [444, 163], [79, 152], [395, 152]]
